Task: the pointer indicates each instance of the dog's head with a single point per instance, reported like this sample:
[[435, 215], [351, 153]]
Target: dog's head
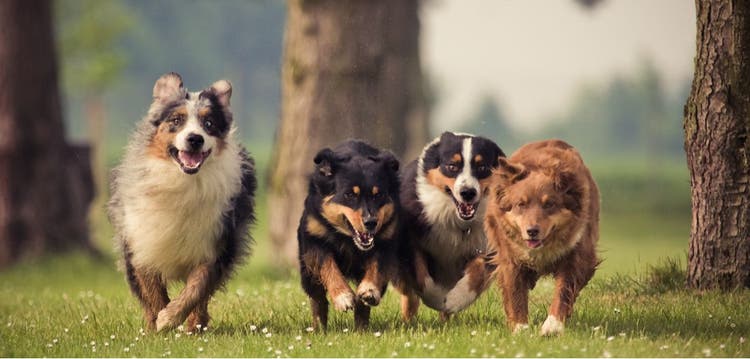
[[459, 167], [189, 126], [536, 202], [359, 185]]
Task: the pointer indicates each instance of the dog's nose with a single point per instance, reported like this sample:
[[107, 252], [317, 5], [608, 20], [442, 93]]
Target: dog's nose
[[371, 223], [533, 232], [468, 193], [195, 141]]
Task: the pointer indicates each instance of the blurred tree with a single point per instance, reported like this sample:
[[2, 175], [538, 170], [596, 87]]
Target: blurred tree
[[717, 123], [91, 61], [45, 183], [350, 69]]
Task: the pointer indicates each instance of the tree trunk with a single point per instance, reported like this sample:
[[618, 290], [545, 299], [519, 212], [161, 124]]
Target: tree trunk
[[45, 184], [351, 69], [716, 130]]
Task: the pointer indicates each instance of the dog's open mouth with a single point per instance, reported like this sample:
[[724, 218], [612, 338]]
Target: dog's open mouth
[[466, 211], [533, 243], [190, 162], [363, 240]]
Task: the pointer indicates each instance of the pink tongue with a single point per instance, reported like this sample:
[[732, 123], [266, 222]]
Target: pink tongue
[[191, 159]]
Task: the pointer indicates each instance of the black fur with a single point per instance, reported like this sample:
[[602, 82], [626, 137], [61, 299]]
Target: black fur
[[353, 163]]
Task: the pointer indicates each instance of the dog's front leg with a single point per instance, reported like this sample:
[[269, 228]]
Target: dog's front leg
[[569, 281], [370, 288], [197, 288], [336, 286], [475, 280]]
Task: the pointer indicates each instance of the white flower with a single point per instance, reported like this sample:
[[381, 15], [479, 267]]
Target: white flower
[[126, 349], [65, 330], [609, 339], [329, 344], [106, 344], [268, 335], [309, 329], [92, 343], [54, 341], [177, 335], [473, 333], [346, 330], [291, 347], [298, 338], [264, 330], [49, 345], [253, 328], [112, 337], [277, 352], [200, 349], [472, 351], [407, 344], [378, 334]]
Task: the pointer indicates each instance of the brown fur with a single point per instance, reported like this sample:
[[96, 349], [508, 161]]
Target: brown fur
[[543, 186], [161, 141], [439, 180], [335, 213]]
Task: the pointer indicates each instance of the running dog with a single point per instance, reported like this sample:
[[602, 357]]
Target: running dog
[[543, 219], [182, 201], [347, 228], [443, 247]]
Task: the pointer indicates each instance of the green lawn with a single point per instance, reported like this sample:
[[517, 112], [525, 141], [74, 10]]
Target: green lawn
[[74, 306]]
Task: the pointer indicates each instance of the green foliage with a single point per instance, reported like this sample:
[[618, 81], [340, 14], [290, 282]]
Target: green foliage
[[89, 32], [628, 115]]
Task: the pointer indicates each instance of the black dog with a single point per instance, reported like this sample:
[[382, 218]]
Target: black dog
[[346, 229]]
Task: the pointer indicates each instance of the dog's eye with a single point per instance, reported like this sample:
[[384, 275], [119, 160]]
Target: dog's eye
[[350, 195], [521, 205], [378, 195], [548, 205], [176, 121], [482, 168], [208, 123], [451, 167]]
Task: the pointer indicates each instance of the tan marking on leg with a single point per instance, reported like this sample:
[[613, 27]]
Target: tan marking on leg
[[368, 291], [153, 295], [198, 318], [409, 306], [197, 288], [335, 283]]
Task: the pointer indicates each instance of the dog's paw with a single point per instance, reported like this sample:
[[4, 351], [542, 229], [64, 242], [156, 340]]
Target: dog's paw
[[167, 320], [460, 296], [552, 326], [520, 328], [368, 294], [344, 301]]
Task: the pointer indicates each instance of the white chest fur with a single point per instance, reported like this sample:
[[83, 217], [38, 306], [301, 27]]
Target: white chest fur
[[172, 221]]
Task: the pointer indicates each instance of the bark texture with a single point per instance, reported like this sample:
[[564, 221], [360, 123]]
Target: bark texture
[[716, 130], [351, 69], [45, 183]]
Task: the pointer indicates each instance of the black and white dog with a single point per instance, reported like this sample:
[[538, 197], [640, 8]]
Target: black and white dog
[[442, 244], [182, 201]]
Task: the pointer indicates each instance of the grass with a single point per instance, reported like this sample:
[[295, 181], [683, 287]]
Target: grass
[[75, 306]]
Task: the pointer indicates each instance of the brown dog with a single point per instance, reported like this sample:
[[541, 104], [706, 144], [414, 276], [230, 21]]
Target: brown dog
[[543, 219]]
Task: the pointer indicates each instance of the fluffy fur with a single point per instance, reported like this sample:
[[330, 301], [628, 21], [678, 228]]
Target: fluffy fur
[[182, 201], [442, 250], [543, 219], [346, 230]]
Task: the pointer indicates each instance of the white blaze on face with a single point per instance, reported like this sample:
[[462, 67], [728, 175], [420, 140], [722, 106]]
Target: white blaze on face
[[465, 179], [193, 126]]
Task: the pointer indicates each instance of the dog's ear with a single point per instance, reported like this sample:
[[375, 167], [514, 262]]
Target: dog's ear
[[510, 172], [325, 162], [389, 160], [223, 91], [569, 185], [168, 87]]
